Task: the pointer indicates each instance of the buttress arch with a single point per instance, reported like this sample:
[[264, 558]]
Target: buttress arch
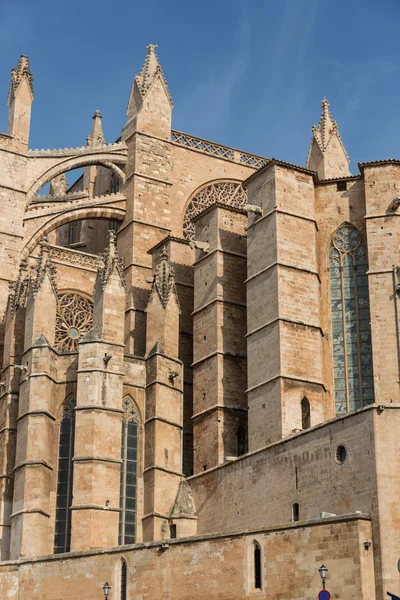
[[110, 213], [110, 161]]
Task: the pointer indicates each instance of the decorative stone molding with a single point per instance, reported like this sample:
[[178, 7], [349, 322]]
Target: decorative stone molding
[[118, 146], [19, 288], [164, 278], [44, 267], [109, 261], [73, 257]]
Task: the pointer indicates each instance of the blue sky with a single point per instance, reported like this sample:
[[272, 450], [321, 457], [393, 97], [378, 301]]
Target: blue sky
[[247, 74]]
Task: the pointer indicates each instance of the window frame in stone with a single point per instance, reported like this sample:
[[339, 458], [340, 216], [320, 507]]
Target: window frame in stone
[[65, 477], [305, 413], [257, 566], [123, 583], [350, 320], [128, 473]]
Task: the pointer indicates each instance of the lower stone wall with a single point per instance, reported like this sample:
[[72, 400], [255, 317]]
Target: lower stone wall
[[210, 567]]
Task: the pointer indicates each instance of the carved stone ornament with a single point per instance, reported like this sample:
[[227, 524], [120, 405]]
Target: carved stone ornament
[[230, 193], [130, 412], [164, 278], [44, 267], [109, 261], [19, 288], [74, 318]]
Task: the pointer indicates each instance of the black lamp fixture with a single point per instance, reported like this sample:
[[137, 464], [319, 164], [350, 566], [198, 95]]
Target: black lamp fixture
[[106, 590], [323, 571]]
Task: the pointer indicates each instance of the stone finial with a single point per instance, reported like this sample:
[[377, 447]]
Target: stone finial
[[22, 71], [109, 261], [96, 138], [327, 154]]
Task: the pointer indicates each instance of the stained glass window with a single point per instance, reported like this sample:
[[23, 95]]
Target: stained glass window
[[62, 535], [129, 447], [351, 329]]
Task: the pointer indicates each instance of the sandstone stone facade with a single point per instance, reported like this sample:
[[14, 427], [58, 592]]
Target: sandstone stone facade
[[200, 357]]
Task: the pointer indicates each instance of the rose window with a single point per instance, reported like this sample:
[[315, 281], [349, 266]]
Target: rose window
[[74, 319]]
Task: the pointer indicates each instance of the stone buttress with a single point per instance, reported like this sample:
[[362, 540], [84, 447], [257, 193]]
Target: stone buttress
[[34, 468], [219, 326], [97, 458], [164, 403]]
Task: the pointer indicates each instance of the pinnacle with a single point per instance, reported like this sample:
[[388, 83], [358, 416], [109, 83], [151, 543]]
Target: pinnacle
[[20, 72], [151, 68], [96, 138]]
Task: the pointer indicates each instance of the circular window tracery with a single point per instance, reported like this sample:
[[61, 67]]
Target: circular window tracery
[[230, 193], [74, 318]]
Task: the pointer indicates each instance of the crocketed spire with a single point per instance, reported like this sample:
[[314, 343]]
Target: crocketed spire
[[327, 154], [143, 81], [21, 72]]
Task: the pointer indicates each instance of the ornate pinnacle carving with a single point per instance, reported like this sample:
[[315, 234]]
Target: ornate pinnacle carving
[[44, 267], [96, 138], [151, 68], [164, 279], [22, 71], [109, 261], [326, 128], [19, 288]]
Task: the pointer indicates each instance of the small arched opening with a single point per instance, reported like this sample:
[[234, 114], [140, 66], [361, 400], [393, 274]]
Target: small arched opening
[[305, 414]]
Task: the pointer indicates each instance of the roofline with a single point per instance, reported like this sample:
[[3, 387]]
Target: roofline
[[280, 163], [336, 179], [378, 163], [168, 238]]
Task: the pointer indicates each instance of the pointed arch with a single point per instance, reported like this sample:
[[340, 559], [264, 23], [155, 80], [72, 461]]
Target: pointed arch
[[229, 192], [305, 413], [123, 582], [350, 315], [65, 476], [257, 566], [128, 473]]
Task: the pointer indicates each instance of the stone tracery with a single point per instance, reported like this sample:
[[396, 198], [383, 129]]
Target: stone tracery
[[229, 193], [74, 319]]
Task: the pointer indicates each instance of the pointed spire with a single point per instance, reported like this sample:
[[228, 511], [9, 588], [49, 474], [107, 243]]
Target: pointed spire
[[96, 138], [150, 71], [21, 72], [109, 261], [330, 160]]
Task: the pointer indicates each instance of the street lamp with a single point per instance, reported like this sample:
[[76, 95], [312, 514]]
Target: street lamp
[[323, 571], [106, 590]]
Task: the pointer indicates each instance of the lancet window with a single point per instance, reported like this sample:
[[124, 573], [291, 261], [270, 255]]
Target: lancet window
[[62, 536], [351, 330], [129, 451], [257, 567]]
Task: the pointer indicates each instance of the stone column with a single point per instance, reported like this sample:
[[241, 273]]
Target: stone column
[[97, 453], [163, 419], [219, 326]]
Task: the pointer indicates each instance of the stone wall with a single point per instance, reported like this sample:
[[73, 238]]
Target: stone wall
[[210, 567]]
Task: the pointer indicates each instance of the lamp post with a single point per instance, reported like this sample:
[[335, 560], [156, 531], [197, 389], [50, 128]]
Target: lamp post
[[323, 571], [106, 590]]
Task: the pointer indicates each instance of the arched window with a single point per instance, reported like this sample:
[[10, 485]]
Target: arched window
[[296, 512], [241, 441], [129, 447], [123, 579], [114, 184], [351, 330], [62, 535], [305, 414], [257, 567]]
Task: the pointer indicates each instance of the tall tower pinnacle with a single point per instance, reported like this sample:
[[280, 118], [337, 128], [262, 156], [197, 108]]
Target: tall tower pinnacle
[[327, 155], [150, 72], [20, 99]]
